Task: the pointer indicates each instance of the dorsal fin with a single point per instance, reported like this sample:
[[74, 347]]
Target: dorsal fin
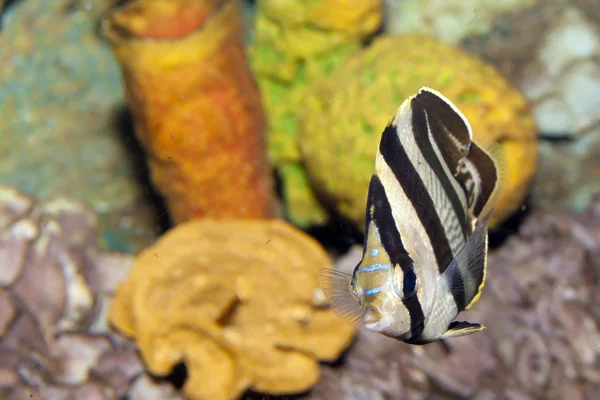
[[449, 127], [474, 169], [480, 176]]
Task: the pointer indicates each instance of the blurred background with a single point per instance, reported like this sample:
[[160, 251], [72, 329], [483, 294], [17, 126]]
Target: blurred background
[[173, 174]]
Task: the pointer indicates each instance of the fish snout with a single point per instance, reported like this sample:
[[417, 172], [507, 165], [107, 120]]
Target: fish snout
[[372, 315]]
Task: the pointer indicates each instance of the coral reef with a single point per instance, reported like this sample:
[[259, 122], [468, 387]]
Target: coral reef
[[62, 90], [543, 338], [55, 285], [236, 300], [447, 20], [196, 106], [552, 53], [358, 99], [296, 43]]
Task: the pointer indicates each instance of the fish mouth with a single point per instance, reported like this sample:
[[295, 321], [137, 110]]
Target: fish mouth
[[378, 326], [371, 316], [373, 320]]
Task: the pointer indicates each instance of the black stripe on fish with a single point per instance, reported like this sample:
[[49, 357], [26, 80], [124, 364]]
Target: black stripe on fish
[[380, 210], [407, 176], [399, 163], [448, 128], [424, 120]]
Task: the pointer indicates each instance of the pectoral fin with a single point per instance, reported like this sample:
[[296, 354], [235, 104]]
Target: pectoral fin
[[466, 272], [461, 328], [336, 288]]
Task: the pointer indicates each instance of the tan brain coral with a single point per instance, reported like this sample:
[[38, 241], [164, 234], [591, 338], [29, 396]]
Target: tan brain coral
[[344, 116], [235, 300]]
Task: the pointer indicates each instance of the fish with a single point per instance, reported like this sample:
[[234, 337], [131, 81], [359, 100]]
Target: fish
[[426, 228]]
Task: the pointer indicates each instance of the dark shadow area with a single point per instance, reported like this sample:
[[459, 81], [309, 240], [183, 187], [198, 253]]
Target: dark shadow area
[[557, 138], [446, 345], [278, 184], [125, 127], [229, 314], [178, 377], [366, 42], [9, 4], [250, 395], [338, 235], [341, 361], [510, 227]]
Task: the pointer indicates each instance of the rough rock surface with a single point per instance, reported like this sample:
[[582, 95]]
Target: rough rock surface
[[569, 172], [543, 328], [448, 20], [552, 53], [55, 285], [65, 136]]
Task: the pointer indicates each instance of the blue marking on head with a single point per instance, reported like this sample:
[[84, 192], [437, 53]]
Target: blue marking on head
[[374, 253], [374, 267], [373, 291]]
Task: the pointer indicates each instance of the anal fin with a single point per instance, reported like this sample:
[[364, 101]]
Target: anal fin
[[461, 328]]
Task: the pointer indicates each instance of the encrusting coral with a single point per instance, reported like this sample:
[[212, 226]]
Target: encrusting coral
[[297, 43], [236, 300], [196, 106], [54, 287], [354, 104]]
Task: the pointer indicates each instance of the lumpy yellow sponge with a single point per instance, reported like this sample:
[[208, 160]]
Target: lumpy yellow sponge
[[238, 301], [343, 118]]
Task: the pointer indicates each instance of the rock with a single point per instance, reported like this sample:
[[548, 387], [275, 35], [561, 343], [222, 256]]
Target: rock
[[450, 21], [62, 89], [144, 388], [568, 174], [54, 280], [551, 52]]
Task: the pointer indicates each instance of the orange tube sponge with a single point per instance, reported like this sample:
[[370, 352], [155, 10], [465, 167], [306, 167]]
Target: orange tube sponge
[[196, 105]]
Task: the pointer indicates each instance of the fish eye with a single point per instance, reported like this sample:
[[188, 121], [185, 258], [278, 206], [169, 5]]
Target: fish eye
[[409, 286]]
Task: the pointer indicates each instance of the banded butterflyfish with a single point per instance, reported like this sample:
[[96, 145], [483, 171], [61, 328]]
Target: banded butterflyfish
[[426, 239]]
